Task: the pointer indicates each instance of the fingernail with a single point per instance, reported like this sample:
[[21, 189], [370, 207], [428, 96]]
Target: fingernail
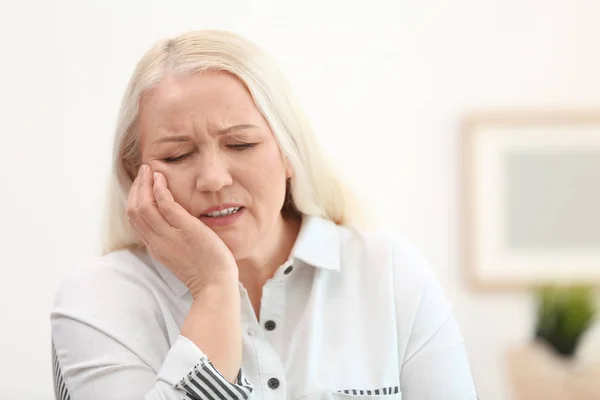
[[155, 176]]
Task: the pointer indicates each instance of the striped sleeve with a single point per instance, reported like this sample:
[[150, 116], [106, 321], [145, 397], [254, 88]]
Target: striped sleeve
[[60, 388], [189, 370], [205, 382]]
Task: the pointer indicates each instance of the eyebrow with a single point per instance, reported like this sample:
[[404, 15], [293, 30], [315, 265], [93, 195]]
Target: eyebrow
[[187, 138]]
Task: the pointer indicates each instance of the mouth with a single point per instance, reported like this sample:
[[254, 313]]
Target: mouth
[[223, 212], [222, 216]]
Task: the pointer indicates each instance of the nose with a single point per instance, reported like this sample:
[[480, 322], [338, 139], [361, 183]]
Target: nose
[[213, 172]]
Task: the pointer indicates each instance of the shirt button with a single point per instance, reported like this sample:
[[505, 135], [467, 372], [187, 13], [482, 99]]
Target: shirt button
[[288, 270], [273, 383], [270, 325]]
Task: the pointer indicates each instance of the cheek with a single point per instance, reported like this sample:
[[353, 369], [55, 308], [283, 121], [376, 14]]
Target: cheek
[[266, 180], [181, 184]]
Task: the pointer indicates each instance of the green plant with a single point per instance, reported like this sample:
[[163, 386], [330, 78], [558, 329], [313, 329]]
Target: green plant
[[563, 315]]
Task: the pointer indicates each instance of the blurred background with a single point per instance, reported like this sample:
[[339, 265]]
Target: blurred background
[[388, 86]]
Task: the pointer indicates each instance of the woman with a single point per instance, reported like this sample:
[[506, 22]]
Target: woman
[[231, 268]]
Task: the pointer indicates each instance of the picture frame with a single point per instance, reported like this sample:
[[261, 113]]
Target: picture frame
[[531, 198]]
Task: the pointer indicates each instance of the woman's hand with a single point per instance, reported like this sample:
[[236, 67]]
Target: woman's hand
[[183, 243]]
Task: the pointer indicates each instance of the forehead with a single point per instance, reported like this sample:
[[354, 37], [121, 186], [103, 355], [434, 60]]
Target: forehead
[[210, 99]]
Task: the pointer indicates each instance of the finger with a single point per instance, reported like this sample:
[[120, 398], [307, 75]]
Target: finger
[[172, 211], [133, 209], [140, 235], [148, 207]]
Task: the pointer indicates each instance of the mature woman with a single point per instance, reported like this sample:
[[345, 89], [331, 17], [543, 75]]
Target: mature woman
[[232, 267]]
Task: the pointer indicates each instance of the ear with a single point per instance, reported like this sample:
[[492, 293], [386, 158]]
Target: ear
[[289, 170]]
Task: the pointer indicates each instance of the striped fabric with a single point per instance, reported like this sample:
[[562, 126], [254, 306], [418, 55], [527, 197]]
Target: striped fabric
[[60, 389], [204, 382], [388, 390]]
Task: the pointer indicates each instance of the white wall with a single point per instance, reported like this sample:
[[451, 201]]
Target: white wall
[[385, 84]]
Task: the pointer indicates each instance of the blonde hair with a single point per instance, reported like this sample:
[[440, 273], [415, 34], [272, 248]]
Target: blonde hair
[[314, 188]]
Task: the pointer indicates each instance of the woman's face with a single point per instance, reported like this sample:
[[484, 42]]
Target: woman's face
[[205, 134]]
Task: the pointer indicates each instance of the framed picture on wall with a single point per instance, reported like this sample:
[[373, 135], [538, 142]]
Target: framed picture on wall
[[531, 198]]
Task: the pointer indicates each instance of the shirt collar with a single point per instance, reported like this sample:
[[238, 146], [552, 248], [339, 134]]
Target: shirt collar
[[317, 244]]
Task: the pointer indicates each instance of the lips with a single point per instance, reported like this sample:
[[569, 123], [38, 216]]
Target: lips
[[222, 213], [221, 218], [221, 208]]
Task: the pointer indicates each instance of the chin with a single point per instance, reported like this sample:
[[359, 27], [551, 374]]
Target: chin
[[238, 246]]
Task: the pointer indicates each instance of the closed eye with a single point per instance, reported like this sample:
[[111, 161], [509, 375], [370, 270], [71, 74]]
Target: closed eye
[[243, 146], [239, 147], [177, 159]]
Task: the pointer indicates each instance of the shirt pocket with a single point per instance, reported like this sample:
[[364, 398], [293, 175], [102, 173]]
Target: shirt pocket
[[330, 395], [344, 396]]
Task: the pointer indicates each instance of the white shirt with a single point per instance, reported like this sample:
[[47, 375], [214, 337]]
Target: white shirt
[[351, 315]]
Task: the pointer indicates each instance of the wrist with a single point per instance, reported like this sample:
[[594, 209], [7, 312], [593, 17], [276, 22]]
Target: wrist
[[214, 290], [213, 282]]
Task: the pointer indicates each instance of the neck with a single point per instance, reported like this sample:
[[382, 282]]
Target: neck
[[275, 250]]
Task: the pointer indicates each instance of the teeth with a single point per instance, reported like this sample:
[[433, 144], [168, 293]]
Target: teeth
[[221, 213]]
